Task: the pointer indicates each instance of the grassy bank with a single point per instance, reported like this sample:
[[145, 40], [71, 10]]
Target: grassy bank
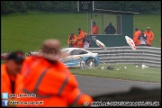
[[27, 31], [130, 73]]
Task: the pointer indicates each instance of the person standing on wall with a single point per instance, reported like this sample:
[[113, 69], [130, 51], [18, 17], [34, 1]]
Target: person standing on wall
[[94, 29], [150, 36], [142, 38], [72, 40], [136, 35], [86, 41], [80, 38], [110, 29]]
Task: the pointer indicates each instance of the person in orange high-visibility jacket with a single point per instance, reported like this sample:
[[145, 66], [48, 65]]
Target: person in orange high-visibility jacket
[[136, 35], [149, 36], [72, 40], [10, 72], [51, 81], [80, 38], [11, 79], [94, 29]]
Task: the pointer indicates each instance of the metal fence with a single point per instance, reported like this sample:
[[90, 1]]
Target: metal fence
[[150, 56]]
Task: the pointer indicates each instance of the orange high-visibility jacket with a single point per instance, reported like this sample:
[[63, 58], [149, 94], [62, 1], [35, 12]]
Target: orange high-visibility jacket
[[6, 81], [150, 37], [136, 36], [73, 41], [94, 30], [52, 83], [80, 38]]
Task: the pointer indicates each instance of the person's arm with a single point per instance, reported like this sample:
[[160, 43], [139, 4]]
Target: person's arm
[[106, 29], [81, 36], [68, 41], [144, 36], [74, 96], [152, 36], [77, 98], [74, 40], [139, 37], [135, 38]]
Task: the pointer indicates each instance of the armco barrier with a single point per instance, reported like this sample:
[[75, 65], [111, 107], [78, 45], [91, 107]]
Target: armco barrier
[[150, 56]]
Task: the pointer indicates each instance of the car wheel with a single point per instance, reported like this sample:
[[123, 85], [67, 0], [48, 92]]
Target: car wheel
[[82, 64], [90, 63]]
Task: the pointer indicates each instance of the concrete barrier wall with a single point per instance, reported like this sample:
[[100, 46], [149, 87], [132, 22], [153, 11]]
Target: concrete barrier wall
[[150, 56]]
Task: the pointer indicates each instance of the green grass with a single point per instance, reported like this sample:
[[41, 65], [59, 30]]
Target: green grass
[[131, 73], [27, 31]]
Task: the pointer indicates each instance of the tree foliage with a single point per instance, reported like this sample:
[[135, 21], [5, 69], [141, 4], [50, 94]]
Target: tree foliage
[[8, 7], [136, 6]]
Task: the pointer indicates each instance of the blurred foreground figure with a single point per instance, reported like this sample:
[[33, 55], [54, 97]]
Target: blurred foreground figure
[[49, 79], [10, 72]]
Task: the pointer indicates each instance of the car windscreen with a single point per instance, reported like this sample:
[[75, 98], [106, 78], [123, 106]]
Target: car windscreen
[[78, 52], [65, 50]]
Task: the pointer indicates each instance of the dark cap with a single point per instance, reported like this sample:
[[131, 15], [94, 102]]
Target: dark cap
[[17, 56], [79, 29], [136, 28]]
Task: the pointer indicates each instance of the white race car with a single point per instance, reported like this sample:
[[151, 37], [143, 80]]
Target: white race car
[[79, 57]]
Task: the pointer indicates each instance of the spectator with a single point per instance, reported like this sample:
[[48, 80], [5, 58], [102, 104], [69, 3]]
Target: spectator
[[142, 39], [94, 29], [10, 72], [49, 79], [110, 29], [136, 35], [72, 40], [150, 36], [81, 35], [86, 41]]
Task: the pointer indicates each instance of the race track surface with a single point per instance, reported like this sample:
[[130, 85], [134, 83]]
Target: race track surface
[[97, 85]]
